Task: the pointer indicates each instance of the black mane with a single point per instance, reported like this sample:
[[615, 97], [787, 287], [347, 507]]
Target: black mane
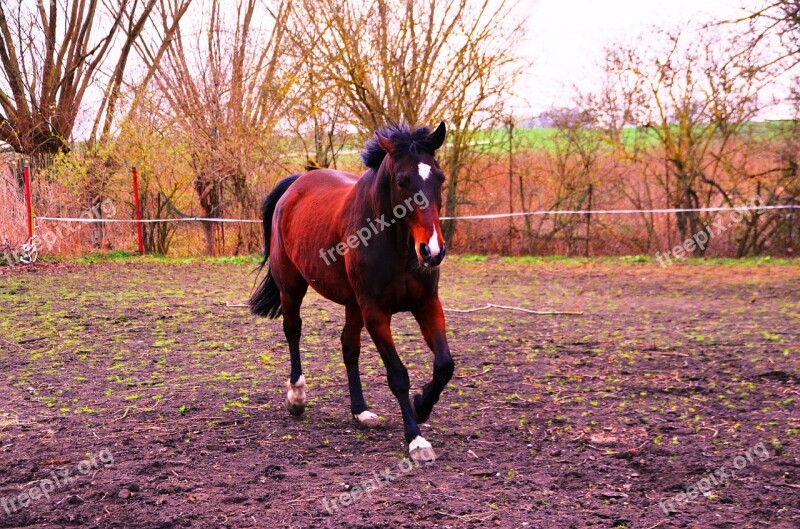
[[402, 137]]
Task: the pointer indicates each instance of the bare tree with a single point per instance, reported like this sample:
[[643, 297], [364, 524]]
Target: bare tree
[[576, 157], [776, 20], [690, 93], [53, 58], [320, 121], [764, 168], [421, 61], [51, 55], [165, 177], [226, 89]]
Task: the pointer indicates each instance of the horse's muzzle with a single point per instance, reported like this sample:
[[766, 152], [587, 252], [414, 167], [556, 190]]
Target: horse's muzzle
[[429, 260]]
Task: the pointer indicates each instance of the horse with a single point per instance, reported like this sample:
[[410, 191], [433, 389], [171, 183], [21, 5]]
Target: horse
[[374, 245]]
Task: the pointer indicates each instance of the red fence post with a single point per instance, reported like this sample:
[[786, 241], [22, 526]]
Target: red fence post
[[26, 175], [138, 209]]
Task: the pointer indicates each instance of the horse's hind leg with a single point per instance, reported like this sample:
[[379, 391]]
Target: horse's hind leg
[[431, 322], [292, 293], [351, 350]]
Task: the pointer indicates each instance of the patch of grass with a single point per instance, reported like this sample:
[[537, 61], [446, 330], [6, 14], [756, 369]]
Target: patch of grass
[[518, 259], [236, 259], [111, 256], [742, 261], [470, 258], [122, 256]]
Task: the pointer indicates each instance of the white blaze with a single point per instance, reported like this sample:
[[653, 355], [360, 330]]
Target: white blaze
[[424, 170], [433, 244]]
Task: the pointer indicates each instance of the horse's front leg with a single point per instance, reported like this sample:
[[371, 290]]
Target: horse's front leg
[[430, 317], [378, 326]]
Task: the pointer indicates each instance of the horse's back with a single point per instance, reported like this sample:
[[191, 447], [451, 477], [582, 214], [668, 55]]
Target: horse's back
[[323, 178], [308, 222], [316, 197]]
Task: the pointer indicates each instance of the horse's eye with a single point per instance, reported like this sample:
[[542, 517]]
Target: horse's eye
[[402, 181]]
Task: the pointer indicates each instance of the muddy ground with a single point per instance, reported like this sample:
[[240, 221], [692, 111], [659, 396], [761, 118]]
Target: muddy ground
[[160, 406]]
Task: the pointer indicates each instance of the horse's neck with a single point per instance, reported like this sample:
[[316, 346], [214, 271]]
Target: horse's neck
[[379, 192], [380, 204]]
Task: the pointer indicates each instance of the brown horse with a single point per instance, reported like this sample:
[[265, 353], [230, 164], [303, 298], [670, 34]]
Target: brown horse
[[373, 244]]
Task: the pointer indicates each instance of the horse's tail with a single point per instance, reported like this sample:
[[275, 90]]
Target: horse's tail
[[266, 300]]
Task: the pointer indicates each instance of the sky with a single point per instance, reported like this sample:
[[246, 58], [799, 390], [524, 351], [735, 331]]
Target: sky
[[565, 42], [566, 38]]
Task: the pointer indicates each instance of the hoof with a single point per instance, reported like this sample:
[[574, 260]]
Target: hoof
[[417, 416], [296, 396], [421, 450], [366, 418], [294, 409]]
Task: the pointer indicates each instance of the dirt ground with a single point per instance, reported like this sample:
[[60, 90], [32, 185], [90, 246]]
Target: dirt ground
[[132, 396]]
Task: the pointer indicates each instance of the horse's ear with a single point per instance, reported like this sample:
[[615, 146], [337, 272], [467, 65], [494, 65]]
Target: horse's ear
[[385, 143], [437, 138]]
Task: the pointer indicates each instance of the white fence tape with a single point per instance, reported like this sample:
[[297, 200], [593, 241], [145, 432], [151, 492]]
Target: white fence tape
[[465, 217], [613, 212], [145, 221]]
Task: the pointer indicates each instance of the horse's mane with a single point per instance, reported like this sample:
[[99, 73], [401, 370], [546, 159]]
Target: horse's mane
[[404, 139]]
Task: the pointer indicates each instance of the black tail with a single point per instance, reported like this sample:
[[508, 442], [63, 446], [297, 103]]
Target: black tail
[[266, 301]]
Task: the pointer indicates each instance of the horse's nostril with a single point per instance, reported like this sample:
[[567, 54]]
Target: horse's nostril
[[424, 251]]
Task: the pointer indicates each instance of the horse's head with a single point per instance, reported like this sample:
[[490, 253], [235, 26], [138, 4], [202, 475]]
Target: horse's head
[[416, 189]]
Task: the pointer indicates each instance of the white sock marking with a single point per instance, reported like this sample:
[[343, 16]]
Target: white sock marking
[[297, 392], [424, 170], [367, 417], [418, 442], [420, 449]]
